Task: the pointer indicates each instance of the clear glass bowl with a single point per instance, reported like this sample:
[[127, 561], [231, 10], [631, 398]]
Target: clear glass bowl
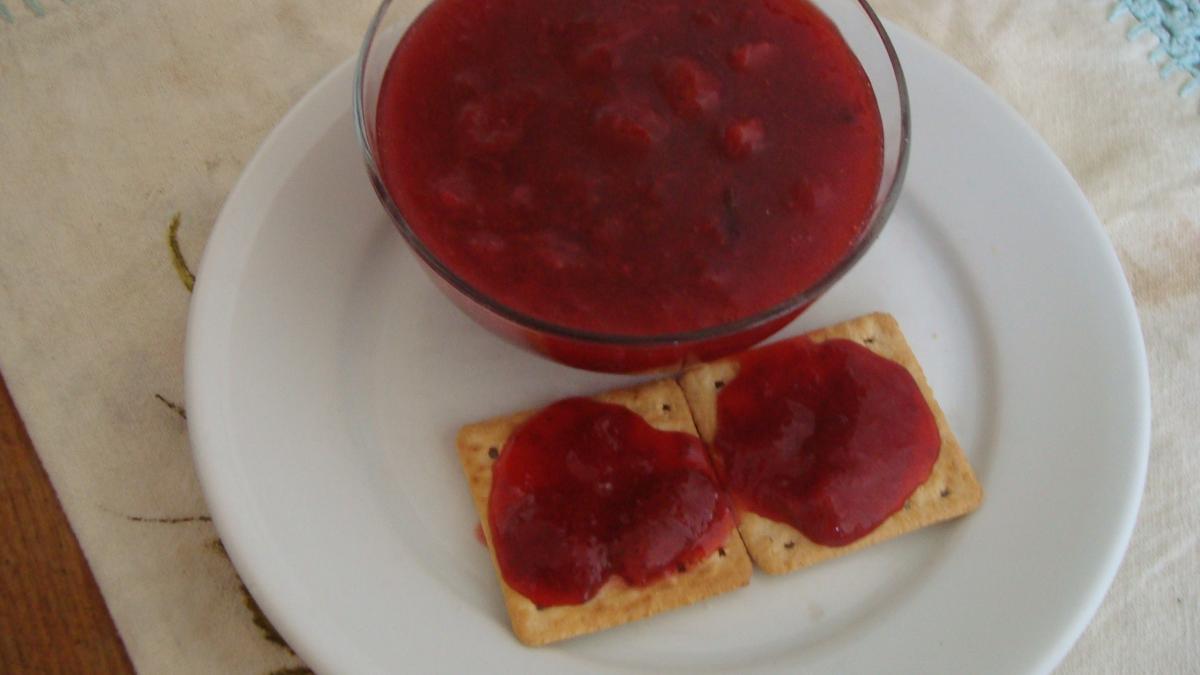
[[609, 352]]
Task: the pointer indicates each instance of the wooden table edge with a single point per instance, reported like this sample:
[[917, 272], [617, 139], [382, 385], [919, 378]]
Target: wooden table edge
[[54, 617]]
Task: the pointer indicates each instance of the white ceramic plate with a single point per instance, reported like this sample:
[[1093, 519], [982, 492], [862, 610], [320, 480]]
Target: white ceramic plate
[[326, 378]]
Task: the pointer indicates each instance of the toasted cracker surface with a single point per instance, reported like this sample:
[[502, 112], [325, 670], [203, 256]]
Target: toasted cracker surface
[[663, 405], [951, 490]]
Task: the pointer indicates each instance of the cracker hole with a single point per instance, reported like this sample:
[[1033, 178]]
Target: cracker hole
[[666, 407], [721, 551], [493, 452], [945, 492], [790, 544], [870, 340], [719, 383]]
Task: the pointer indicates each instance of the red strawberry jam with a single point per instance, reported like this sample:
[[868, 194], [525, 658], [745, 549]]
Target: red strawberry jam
[[828, 437], [636, 167], [585, 490]]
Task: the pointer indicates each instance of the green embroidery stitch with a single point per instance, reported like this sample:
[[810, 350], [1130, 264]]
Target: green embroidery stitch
[[160, 520], [175, 407], [170, 521], [261, 620], [181, 266], [256, 613]]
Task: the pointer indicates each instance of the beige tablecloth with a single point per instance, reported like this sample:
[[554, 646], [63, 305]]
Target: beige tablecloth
[[118, 114]]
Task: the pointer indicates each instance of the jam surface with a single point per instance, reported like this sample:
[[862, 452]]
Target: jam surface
[[631, 166], [585, 490], [828, 437]]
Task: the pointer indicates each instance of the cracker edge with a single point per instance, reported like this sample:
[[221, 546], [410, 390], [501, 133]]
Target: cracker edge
[[951, 490], [617, 602]]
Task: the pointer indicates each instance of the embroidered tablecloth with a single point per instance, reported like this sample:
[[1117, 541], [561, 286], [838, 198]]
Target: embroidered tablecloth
[[125, 123]]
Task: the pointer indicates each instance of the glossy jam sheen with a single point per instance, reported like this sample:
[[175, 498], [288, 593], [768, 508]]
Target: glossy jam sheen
[[829, 438], [585, 490], [631, 167]]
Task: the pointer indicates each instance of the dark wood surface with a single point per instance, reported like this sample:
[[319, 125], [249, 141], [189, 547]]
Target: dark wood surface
[[52, 616]]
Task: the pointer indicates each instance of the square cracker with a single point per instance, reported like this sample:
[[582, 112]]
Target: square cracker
[[951, 490], [663, 405]]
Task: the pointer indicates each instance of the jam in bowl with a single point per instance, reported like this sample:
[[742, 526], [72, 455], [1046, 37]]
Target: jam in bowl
[[633, 185]]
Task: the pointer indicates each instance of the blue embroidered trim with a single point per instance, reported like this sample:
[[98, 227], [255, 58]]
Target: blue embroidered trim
[[35, 7], [1176, 24]]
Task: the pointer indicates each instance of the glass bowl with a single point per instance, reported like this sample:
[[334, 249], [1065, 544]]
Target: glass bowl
[[611, 352]]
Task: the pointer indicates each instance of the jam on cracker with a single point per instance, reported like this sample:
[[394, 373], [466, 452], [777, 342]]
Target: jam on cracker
[[585, 490], [827, 437]]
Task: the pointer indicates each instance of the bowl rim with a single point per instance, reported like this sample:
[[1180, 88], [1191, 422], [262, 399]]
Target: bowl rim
[[794, 303]]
